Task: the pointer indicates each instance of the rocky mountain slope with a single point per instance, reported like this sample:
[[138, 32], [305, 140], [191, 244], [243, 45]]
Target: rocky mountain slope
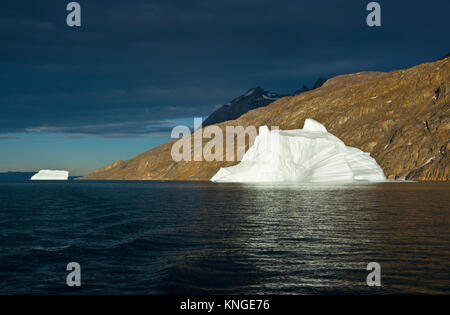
[[402, 118]]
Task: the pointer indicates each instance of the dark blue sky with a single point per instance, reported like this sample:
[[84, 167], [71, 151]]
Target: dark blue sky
[[79, 98]]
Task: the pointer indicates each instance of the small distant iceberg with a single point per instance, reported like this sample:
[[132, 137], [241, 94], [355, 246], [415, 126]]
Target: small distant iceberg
[[308, 155], [50, 175]]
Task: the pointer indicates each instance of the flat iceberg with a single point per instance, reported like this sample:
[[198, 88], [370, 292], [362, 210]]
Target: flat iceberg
[[308, 155], [50, 175]]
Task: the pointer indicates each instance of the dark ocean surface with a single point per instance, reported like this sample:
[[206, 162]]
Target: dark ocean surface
[[206, 238]]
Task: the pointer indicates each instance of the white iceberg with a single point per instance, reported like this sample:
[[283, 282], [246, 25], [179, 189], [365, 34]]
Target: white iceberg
[[50, 175], [310, 155]]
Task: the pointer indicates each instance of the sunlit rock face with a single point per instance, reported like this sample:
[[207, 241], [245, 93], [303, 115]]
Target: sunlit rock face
[[50, 175], [310, 155]]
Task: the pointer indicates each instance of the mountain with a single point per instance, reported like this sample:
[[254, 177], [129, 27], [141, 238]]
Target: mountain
[[402, 118], [22, 176], [444, 57], [16, 176], [319, 83], [304, 88], [253, 98]]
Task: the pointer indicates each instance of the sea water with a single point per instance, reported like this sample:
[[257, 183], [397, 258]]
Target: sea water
[[207, 238]]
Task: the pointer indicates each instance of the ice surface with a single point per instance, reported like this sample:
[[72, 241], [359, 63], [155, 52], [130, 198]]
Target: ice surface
[[50, 175], [310, 154]]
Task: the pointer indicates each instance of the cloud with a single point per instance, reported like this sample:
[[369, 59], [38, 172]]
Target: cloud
[[8, 138], [117, 112], [69, 137], [134, 64], [33, 25], [109, 130]]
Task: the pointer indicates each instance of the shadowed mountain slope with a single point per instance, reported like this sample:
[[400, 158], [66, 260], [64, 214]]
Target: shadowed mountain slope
[[253, 98]]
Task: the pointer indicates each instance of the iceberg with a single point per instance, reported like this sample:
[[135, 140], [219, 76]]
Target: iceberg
[[50, 175], [308, 155]]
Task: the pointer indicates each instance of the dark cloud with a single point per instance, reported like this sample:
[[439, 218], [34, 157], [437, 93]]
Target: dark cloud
[[137, 62], [116, 130], [8, 138]]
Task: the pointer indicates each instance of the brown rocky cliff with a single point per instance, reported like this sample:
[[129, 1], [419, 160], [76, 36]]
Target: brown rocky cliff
[[402, 118]]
